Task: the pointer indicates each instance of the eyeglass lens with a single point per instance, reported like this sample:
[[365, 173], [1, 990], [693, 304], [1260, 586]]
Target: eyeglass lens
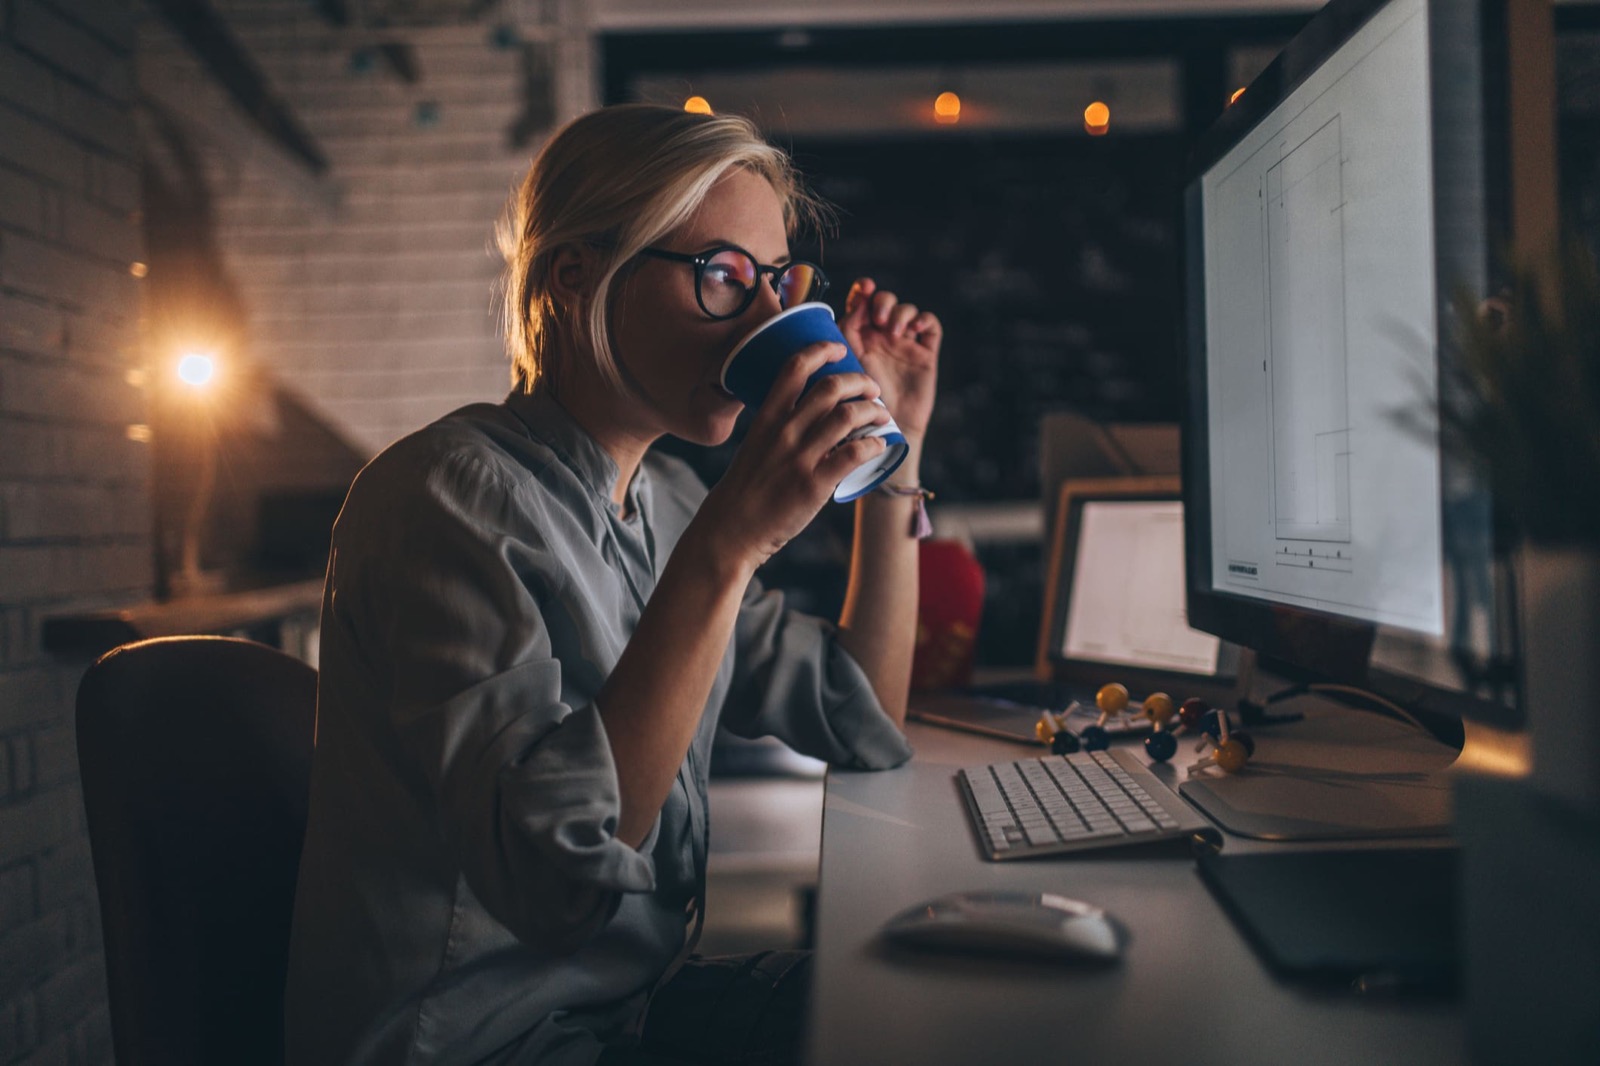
[[730, 276]]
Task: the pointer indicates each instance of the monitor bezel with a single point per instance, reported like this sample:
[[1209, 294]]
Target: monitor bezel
[[1466, 44], [1051, 663]]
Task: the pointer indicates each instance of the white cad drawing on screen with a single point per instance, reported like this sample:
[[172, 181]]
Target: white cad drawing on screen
[[1308, 397]]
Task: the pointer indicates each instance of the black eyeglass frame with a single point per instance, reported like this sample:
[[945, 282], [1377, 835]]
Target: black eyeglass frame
[[701, 260]]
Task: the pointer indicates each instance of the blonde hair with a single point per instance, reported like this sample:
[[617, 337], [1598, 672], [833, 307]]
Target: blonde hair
[[617, 180]]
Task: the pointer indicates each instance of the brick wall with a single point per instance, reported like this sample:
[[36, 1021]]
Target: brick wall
[[74, 488], [368, 290]]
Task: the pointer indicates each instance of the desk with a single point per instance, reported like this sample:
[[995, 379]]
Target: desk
[[1188, 990]]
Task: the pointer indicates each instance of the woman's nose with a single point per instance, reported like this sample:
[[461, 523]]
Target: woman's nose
[[766, 304]]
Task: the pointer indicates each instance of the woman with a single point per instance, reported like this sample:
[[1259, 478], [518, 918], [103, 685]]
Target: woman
[[533, 625]]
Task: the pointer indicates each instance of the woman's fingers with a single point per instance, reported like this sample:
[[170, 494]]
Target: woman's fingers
[[791, 380], [829, 431], [846, 457], [927, 326], [900, 318]]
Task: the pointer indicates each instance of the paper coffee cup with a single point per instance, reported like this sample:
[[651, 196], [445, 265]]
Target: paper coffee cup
[[755, 362]]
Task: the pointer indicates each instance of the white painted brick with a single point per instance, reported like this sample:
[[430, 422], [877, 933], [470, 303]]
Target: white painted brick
[[347, 234], [92, 117], [104, 455], [375, 297], [21, 202], [29, 827], [31, 326], [28, 697], [26, 82], [42, 451], [67, 393], [40, 511], [60, 43], [357, 326], [100, 231], [18, 1031], [112, 182], [96, 1030], [31, 145], [71, 992], [55, 756], [43, 573], [17, 644], [65, 871], [110, 20], [93, 337], [23, 776], [71, 279], [19, 901], [416, 264]]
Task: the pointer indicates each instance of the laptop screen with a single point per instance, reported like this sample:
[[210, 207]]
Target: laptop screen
[[1127, 590]]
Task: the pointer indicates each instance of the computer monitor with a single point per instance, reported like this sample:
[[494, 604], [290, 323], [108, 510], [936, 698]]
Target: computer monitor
[[1331, 216], [1114, 597]]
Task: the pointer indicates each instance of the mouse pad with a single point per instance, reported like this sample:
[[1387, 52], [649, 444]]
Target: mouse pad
[[1384, 918]]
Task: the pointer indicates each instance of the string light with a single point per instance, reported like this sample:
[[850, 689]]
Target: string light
[[1235, 97], [196, 369], [697, 105], [947, 109], [1097, 119]]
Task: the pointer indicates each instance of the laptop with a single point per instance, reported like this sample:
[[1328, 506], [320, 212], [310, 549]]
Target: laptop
[[1113, 611]]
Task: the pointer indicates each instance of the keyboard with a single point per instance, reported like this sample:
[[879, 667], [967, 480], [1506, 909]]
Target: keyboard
[[1078, 802]]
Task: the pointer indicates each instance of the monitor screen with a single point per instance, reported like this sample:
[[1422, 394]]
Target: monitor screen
[[1126, 605], [1319, 265], [1331, 216]]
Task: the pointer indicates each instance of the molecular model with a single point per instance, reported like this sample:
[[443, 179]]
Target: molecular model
[[1231, 748]]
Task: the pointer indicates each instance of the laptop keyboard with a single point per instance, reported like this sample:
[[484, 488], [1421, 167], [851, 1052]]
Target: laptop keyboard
[[1070, 803]]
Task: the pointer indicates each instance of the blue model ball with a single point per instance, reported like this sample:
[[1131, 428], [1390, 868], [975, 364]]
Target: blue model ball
[[1095, 738], [1160, 746]]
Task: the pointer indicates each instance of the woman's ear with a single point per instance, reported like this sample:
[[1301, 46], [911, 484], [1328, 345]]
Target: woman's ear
[[571, 270]]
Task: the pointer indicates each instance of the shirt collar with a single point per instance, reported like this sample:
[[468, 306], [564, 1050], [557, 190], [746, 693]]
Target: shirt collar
[[550, 423]]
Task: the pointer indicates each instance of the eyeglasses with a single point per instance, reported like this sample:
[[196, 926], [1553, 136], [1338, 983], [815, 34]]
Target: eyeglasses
[[725, 279]]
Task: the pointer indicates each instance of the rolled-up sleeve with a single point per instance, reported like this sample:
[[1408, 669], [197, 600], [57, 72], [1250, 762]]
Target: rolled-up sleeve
[[524, 784], [793, 680]]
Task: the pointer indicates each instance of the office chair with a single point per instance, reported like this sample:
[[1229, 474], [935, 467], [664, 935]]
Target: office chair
[[195, 754]]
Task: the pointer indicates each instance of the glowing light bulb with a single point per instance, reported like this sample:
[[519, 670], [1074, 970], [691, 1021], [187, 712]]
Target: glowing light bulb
[[947, 108], [196, 369], [697, 105], [1097, 119]]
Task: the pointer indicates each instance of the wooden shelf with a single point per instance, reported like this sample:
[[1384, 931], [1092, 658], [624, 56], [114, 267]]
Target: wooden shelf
[[261, 613]]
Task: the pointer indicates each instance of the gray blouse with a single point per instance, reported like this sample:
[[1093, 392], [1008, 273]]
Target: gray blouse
[[462, 895]]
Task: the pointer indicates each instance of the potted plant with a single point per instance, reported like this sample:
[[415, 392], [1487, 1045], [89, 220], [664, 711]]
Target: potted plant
[[1522, 403]]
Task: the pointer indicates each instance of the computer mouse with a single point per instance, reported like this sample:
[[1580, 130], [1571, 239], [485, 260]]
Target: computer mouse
[[1010, 923]]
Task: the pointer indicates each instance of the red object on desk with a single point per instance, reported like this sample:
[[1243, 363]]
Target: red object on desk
[[950, 591]]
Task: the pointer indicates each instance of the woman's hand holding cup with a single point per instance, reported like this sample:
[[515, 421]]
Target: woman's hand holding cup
[[794, 455]]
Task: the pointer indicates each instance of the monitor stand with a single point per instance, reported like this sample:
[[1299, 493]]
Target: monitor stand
[[1340, 774]]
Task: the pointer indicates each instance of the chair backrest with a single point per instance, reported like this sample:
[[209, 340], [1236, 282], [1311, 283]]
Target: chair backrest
[[195, 754]]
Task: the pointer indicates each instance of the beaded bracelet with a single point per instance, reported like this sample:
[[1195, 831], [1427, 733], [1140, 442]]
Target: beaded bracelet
[[921, 527]]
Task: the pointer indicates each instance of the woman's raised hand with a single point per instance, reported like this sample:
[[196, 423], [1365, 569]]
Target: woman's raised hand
[[792, 459]]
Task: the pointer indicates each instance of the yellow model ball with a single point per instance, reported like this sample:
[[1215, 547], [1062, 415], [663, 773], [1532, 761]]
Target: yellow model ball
[[1158, 707], [1112, 698], [1231, 756]]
